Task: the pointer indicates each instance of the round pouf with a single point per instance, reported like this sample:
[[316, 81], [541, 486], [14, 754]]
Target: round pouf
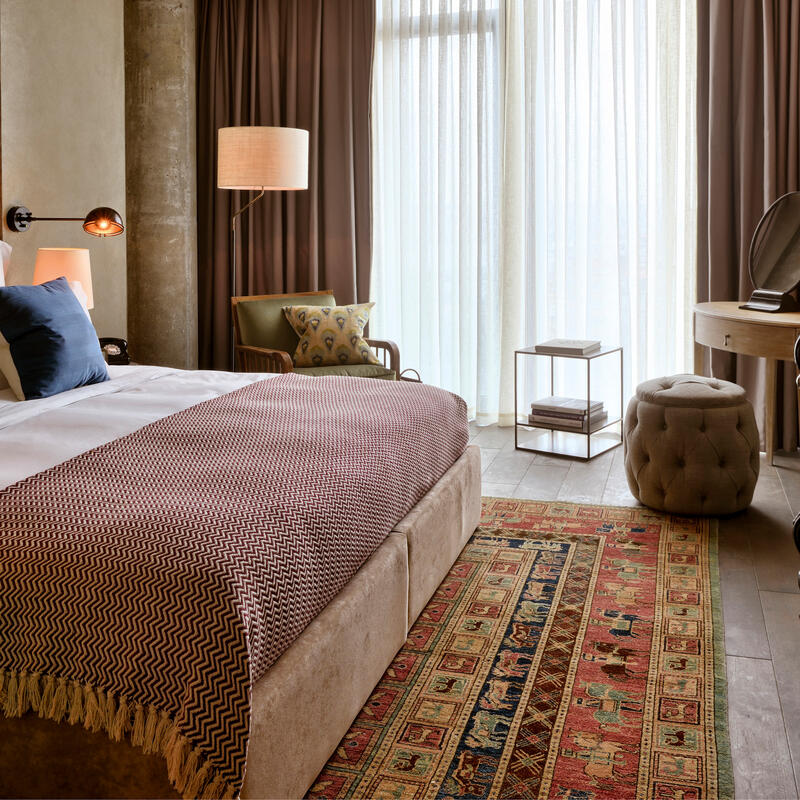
[[691, 445]]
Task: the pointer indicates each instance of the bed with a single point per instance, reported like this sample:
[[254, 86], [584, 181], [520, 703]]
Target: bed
[[307, 697]]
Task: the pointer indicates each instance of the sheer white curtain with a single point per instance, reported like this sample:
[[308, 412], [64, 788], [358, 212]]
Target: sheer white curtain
[[611, 211], [436, 181], [533, 176]]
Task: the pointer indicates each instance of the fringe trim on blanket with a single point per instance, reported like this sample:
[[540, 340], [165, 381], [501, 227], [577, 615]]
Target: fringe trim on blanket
[[152, 730]]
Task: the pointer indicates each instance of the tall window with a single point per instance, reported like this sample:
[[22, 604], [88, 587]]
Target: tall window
[[534, 177]]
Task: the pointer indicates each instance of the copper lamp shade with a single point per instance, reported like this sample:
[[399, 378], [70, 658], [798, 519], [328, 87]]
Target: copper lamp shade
[[103, 221]]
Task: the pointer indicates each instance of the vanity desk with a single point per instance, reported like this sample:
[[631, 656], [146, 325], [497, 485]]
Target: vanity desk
[[725, 326]]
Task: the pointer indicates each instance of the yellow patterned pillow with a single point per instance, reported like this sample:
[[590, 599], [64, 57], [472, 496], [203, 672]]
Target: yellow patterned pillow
[[330, 335]]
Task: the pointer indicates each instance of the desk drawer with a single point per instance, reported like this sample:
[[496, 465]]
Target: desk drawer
[[747, 338]]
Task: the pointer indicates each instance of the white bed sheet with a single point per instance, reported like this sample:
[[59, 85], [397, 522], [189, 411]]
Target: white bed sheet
[[38, 434]]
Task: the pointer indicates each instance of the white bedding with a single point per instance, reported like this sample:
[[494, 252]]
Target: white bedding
[[37, 434]]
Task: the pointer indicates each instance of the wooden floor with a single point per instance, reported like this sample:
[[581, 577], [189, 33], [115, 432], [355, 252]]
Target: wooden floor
[[761, 601]]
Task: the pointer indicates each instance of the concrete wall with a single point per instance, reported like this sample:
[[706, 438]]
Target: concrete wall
[[161, 178], [62, 96]]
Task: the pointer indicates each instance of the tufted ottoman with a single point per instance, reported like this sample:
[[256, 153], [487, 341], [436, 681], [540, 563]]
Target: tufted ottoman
[[691, 445]]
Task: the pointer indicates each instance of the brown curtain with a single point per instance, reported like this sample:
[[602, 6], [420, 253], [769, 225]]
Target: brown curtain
[[296, 63], [748, 124]]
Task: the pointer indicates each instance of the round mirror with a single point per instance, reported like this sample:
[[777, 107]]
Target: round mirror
[[775, 256]]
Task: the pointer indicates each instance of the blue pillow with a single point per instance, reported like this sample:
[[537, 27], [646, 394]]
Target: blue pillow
[[48, 344]]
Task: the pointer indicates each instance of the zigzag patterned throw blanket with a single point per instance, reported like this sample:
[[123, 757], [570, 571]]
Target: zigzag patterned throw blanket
[[145, 585]]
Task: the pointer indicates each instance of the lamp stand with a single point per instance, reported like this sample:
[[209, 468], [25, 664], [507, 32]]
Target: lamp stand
[[234, 270]]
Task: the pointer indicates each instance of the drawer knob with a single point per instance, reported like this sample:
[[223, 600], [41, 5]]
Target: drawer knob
[[725, 339]]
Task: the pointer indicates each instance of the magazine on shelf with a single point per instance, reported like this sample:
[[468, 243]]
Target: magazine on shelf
[[576, 415], [578, 425], [564, 406], [568, 347], [573, 421]]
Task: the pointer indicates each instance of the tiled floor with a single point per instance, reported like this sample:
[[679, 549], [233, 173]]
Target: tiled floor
[[761, 601]]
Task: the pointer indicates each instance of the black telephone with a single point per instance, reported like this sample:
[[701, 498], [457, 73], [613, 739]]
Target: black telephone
[[115, 351]]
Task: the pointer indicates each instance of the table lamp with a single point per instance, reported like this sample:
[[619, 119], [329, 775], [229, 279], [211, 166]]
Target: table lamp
[[259, 159], [71, 263]]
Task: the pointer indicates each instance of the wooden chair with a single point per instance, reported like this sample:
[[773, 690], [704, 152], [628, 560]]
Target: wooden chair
[[265, 341]]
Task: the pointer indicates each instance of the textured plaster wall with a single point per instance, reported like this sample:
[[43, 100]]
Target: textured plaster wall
[[161, 180], [62, 104]]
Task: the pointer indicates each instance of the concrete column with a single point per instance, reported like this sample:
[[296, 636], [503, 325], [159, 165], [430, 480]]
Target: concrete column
[[160, 180]]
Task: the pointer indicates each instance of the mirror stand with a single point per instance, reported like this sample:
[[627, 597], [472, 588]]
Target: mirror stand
[[771, 301], [774, 258]]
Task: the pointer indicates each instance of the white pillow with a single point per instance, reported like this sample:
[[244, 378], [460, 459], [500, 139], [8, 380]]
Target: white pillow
[[5, 258], [7, 368]]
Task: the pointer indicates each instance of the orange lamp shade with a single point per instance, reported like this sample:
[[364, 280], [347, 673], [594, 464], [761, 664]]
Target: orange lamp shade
[[262, 158], [71, 263]]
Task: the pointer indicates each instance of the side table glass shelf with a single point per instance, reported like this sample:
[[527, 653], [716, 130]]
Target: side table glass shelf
[[566, 442]]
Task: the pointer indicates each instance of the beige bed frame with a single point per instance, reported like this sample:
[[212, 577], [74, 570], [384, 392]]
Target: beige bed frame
[[306, 702]]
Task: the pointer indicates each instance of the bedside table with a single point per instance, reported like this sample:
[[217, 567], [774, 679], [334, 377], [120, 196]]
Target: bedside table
[[566, 442]]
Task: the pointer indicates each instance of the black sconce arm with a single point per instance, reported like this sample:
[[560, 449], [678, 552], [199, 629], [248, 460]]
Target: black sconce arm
[[19, 218]]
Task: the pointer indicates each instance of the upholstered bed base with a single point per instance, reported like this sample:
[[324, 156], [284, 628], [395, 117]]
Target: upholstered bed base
[[304, 704]]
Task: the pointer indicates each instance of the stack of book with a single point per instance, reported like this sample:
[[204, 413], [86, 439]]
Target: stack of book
[[568, 347], [567, 413]]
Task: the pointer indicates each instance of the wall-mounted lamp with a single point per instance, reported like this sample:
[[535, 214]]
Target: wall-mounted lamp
[[98, 222]]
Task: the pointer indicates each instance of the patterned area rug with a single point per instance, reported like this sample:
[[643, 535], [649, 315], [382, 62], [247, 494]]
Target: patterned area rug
[[573, 652]]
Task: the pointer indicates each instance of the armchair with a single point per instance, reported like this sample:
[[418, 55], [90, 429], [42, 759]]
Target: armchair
[[264, 340]]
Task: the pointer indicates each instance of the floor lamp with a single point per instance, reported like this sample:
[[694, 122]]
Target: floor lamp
[[259, 159]]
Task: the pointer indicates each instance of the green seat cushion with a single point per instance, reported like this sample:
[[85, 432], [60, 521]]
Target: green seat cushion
[[352, 370], [262, 323]]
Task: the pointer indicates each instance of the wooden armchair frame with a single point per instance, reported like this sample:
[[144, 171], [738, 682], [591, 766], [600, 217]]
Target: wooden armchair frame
[[264, 359]]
